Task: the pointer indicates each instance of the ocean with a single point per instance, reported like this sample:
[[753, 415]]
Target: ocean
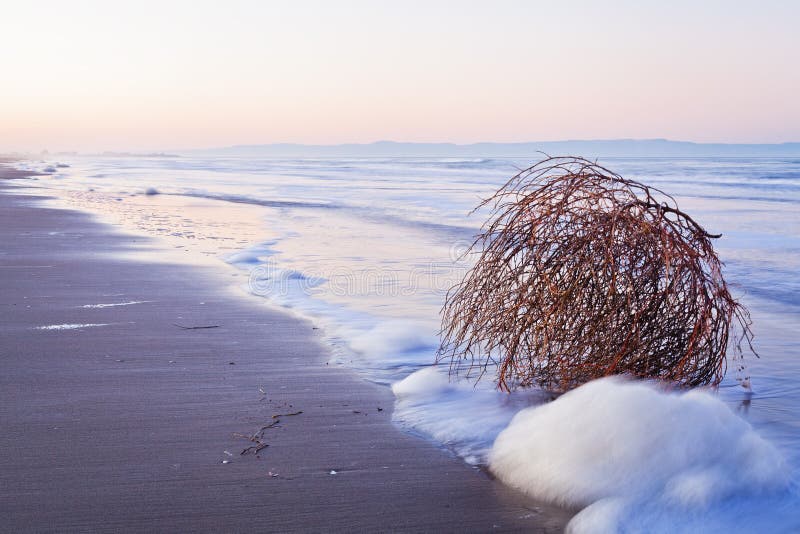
[[367, 249]]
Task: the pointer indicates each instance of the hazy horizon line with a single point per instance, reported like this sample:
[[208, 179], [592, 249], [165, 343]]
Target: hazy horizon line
[[276, 144]]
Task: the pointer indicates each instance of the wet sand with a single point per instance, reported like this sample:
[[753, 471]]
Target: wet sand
[[139, 425]]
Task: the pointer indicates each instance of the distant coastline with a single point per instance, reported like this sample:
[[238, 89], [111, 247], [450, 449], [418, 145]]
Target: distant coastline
[[592, 149], [587, 148]]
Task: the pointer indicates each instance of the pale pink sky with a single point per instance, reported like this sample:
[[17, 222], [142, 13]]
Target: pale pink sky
[[170, 74]]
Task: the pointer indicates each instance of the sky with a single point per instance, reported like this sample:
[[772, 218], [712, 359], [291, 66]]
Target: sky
[[142, 75]]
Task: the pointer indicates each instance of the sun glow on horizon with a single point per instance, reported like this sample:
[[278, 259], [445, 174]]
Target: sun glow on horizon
[[168, 75]]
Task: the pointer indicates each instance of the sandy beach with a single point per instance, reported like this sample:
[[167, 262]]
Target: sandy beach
[[119, 415]]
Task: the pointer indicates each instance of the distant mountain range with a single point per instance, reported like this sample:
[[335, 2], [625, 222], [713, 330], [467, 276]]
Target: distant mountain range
[[589, 149]]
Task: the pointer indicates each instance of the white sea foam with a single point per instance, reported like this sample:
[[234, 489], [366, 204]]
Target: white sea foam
[[69, 326], [393, 338], [115, 304], [463, 415], [250, 257], [620, 447]]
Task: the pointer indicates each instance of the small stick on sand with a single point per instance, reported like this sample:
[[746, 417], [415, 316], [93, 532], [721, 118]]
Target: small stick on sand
[[195, 327], [286, 414]]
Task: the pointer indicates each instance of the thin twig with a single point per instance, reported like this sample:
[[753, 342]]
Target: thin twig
[[286, 414]]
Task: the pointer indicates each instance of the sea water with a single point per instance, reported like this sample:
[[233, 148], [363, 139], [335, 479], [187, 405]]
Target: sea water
[[367, 248]]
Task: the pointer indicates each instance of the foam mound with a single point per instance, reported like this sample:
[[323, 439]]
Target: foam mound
[[612, 443]]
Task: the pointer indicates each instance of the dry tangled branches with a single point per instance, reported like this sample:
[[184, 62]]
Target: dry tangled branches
[[582, 274]]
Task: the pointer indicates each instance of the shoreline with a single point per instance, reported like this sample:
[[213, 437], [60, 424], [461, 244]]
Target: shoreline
[[125, 426]]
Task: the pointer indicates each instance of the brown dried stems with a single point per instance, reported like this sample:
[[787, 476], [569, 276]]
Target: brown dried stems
[[584, 274]]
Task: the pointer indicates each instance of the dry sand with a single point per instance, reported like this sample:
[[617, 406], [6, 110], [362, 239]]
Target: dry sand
[[125, 427]]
